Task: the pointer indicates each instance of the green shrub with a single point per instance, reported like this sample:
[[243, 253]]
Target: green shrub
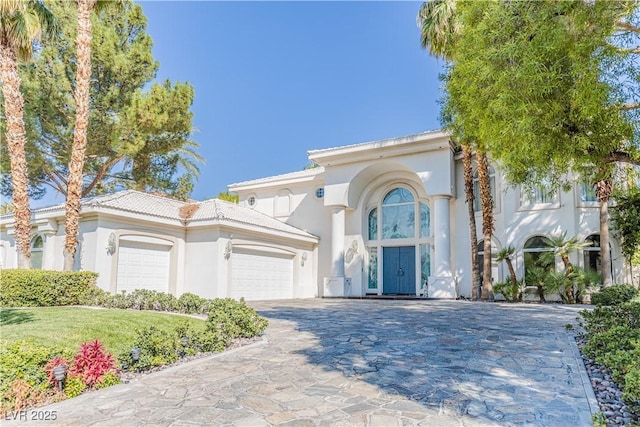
[[603, 344], [511, 292], [158, 347], [26, 361], [74, 386], [631, 387], [192, 303], [614, 295], [142, 299], [107, 380], [43, 288], [234, 319], [605, 317], [613, 334], [209, 341]]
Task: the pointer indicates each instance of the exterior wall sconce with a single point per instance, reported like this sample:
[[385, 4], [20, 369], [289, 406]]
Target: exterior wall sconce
[[111, 244], [303, 258], [227, 249], [59, 374]]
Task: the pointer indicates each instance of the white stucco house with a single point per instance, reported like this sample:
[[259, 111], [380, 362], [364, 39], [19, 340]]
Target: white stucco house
[[377, 218]]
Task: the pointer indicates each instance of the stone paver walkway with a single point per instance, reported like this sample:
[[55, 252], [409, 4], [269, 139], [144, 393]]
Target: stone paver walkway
[[368, 362]]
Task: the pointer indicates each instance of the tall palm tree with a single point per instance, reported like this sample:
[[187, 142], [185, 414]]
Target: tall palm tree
[[467, 156], [439, 28], [487, 222], [79, 145], [22, 22]]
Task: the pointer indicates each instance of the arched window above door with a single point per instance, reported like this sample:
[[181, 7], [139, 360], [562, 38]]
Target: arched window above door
[[395, 217], [398, 214]]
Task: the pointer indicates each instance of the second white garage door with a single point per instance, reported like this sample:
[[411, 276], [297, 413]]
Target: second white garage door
[[261, 277], [143, 266]]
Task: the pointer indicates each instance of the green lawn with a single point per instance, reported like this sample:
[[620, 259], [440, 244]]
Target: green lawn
[[68, 327]]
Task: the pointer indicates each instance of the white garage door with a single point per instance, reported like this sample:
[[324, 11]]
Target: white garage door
[[261, 277], [143, 266]]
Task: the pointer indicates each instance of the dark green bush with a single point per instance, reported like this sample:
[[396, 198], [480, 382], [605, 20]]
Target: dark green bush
[[618, 338], [613, 334], [44, 288], [614, 295], [234, 319]]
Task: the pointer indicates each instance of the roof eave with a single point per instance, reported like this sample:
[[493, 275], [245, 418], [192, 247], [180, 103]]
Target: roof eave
[[411, 144]]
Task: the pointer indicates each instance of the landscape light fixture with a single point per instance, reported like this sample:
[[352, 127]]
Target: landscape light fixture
[[59, 374], [135, 354]]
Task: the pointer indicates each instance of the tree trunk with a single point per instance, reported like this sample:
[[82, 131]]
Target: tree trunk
[[16, 140], [487, 223], [603, 193], [79, 147], [473, 232], [568, 269], [514, 279], [512, 272]]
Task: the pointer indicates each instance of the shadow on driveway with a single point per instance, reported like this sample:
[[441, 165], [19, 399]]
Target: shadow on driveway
[[506, 364]]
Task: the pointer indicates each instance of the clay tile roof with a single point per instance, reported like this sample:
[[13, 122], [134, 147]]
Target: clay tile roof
[[223, 210], [165, 207]]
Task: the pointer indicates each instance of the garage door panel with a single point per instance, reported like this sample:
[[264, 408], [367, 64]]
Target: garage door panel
[[143, 266], [261, 277]]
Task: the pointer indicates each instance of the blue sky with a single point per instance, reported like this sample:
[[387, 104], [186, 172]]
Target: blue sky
[[275, 79]]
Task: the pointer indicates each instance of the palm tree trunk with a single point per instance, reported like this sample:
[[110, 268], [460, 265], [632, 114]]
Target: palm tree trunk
[[16, 140], [603, 193], [514, 279], [568, 269], [473, 232], [79, 147], [512, 272], [487, 223]]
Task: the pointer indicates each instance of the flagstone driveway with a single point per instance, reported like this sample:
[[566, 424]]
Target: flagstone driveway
[[368, 362]]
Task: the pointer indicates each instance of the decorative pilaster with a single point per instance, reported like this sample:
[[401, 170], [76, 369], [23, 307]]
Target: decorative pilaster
[[334, 286], [337, 241], [442, 283]]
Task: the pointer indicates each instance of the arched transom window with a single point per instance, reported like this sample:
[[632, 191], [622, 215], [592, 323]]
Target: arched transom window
[[398, 220]]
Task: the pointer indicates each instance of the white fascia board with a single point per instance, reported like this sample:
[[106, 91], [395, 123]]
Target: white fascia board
[[255, 229], [288, 180], [387, 148], [124, 215]]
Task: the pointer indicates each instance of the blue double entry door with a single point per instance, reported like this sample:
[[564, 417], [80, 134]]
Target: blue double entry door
[[399, 270]]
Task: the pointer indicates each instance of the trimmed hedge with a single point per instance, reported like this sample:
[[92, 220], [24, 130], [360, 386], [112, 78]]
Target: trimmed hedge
[[45, 288], [614, 295]]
